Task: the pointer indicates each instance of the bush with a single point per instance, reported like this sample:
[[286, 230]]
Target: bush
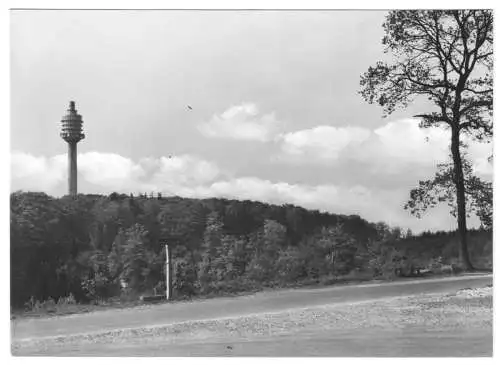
[[440, 266], [98, 287], [290, 265], [63, 305], [69, 300], [383, 260]]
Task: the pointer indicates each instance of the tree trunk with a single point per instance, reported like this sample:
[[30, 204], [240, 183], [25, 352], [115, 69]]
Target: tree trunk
[[461, 213]]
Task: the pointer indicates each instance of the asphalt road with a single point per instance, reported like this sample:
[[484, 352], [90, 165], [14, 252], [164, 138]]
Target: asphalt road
[[272, 301]]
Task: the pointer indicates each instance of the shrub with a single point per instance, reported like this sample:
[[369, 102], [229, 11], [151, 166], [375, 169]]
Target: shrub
[[62, 305], [69, 300], [383, 260], [439, 266]]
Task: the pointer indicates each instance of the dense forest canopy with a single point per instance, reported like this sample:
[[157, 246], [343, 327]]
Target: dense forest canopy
[[89, 246]]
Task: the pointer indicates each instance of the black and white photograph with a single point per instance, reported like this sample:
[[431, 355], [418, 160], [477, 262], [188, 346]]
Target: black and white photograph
[[274, 183]]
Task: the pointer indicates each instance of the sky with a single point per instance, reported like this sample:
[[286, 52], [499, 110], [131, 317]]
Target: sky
[[276, 115]]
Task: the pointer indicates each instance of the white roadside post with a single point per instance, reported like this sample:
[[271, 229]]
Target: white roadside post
[[167, 272]]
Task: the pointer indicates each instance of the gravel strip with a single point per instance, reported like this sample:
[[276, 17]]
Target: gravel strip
[[476, 292]]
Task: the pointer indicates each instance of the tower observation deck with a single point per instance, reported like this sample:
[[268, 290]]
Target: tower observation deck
[[72, 133]]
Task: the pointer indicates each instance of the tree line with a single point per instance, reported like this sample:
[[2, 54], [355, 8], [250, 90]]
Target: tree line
[[99, 247]]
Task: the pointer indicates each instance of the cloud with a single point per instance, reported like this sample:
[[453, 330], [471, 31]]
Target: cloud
[[179, 173], [405, 140], [397, 147], [242, 122], [482, 167], [479, 154], [36, 173], [401, 146], [109, 172], [323, 142]]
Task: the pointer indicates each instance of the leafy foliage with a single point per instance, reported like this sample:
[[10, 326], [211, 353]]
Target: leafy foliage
[[442, 188], [95, 248]]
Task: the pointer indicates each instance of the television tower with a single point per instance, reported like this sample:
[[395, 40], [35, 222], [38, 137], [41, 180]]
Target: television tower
[[71, 132]]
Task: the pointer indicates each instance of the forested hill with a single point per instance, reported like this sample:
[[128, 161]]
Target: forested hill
[[89, 245]]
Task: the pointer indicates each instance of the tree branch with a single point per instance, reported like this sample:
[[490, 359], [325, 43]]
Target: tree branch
[[434, 118]]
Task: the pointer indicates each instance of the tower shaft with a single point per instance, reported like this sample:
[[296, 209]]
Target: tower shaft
[[72, 169]]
